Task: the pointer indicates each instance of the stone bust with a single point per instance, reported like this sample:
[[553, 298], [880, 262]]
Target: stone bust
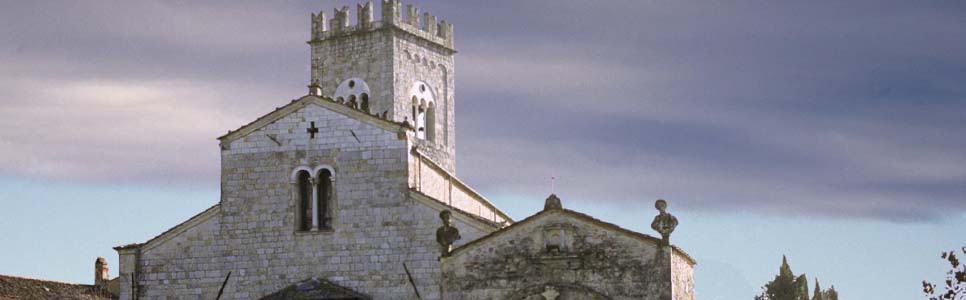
[[446, 235], [664, 223]]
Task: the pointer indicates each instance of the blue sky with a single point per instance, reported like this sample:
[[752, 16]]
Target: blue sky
[[831, 132]]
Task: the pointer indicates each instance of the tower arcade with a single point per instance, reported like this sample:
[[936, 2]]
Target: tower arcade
[[398, 66]]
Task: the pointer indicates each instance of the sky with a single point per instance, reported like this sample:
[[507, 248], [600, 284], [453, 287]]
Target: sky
[[831, 132]]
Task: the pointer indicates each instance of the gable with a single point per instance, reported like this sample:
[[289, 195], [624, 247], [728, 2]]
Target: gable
[[566, 254], [581, 223], [310, 101]]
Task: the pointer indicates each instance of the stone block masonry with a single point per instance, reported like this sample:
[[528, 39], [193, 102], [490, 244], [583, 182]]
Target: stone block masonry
[[252, 232]]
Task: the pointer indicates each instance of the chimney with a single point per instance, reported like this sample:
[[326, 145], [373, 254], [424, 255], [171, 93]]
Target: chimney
[[100, 272]]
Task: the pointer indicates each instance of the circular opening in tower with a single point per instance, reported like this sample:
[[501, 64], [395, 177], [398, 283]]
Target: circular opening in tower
[[422, 87], [352, 84]]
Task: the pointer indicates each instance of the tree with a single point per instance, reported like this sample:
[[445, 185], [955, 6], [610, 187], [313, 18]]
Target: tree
[[817, 294], [955, 280], [787, 286], [829, 294]]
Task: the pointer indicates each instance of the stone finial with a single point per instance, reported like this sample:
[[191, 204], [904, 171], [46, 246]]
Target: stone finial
[[447, 234], [552, 202], [315, 89], [664, 223], [100, 271]]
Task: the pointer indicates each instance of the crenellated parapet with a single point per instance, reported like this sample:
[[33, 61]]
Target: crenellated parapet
[[425, 26]]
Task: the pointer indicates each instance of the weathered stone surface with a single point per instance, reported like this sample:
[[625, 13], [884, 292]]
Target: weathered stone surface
[[575, 255], [389, 185], [252, 233]]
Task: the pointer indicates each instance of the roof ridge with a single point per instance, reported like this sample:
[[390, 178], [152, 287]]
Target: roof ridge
[[577, 214], [44, 280], [321, 99]]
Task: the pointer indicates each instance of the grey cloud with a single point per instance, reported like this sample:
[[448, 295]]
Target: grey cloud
[[836, 109]]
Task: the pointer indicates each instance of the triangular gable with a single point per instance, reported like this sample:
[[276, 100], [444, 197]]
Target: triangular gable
[[325, 102], [316, 289], [577, 216]]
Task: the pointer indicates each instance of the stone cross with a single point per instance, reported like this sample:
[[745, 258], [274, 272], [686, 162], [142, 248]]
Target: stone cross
[[550, 293], [312, 130]]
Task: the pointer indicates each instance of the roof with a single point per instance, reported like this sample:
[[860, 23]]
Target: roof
[[452, 177], [316, 289], [326, 102], [454, 209], [580, 216], [35, 289]]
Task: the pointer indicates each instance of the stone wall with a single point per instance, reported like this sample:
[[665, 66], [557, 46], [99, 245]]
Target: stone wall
[[366, 56], [391, 55], [432, 180], [559, 251], [682, 278], [377, 226], [420, 60]]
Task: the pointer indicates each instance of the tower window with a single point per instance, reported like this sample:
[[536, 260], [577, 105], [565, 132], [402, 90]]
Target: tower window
[[352, 102], [304, 186], [364, 102], [353, 92], [430, 122], [424, 111]]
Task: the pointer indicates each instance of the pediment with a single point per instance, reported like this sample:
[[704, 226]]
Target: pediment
[[324, 102], [316, 289], [556, 226]]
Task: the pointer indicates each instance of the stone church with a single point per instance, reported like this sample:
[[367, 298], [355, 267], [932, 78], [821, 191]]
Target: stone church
[[350, 192]]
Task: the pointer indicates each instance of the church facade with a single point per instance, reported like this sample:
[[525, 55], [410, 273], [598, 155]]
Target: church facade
[[350, 192]]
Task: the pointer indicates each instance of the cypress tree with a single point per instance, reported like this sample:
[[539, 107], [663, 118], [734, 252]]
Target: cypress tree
[[786, 286], [818, 295]]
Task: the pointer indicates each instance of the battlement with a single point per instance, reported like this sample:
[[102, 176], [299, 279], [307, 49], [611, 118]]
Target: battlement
[[425, 26]]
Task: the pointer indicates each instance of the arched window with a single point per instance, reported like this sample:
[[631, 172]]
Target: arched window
[[415, 104], [430, 121], [353, 92], [424, 110], [304, 185], [352, 102], [324, 194], [364, 102], [313, 196], [421, 119]]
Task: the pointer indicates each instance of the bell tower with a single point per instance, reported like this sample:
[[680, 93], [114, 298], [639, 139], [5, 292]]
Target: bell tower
[[401, 67]]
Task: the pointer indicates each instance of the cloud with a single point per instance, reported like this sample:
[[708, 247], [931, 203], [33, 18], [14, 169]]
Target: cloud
[[113, 130], [834, 109]]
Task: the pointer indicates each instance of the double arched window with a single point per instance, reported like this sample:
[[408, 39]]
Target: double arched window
[[424, 110], [313, 192]]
